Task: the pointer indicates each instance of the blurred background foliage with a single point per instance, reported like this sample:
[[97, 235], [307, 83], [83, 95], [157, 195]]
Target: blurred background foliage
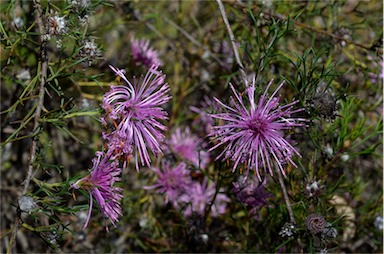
[[329, 53]]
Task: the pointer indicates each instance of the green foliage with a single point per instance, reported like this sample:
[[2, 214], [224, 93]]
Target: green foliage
[[317, 47]]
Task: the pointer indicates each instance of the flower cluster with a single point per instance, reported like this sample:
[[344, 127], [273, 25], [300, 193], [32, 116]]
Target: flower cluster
[[253, 135], [135, 110], [192, 197], [201, 195], [99, 183]]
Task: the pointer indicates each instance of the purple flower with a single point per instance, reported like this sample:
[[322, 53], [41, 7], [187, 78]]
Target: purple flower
[[143, 54], [251, 194], [199, 196], [253, 135], [189, 147], [135, 110], [99, 183], [173, 181]]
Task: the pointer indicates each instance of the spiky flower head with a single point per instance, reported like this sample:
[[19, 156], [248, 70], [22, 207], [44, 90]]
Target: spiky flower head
[[135, 110], [172, 181], [200, 196], [188, 147], [99, 183], [253, 134], [144, 54]]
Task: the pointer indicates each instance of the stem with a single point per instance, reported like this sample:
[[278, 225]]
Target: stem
[[40, 102], [232, 38], [43, 78], [286, 197], [288, 204]]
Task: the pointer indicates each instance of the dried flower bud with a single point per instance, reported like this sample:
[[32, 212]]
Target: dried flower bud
[[287, 230], [56, 25], [315, 223], [329, 231], [325, 105], [90, 50], [313, 189]]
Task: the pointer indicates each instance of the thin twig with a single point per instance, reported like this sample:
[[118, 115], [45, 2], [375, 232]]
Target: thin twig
[[286, 197], [288, 204], [43, 79], [233, 42], [40, 102]]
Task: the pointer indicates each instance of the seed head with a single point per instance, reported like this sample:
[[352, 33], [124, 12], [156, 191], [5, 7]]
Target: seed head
[[315, 223]]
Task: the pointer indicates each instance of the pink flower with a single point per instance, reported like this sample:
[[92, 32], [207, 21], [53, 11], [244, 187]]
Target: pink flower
[[136, 110], [254, 134], [188, 147], [200, 196], [143, 54], [172, 181], [99, 183]]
